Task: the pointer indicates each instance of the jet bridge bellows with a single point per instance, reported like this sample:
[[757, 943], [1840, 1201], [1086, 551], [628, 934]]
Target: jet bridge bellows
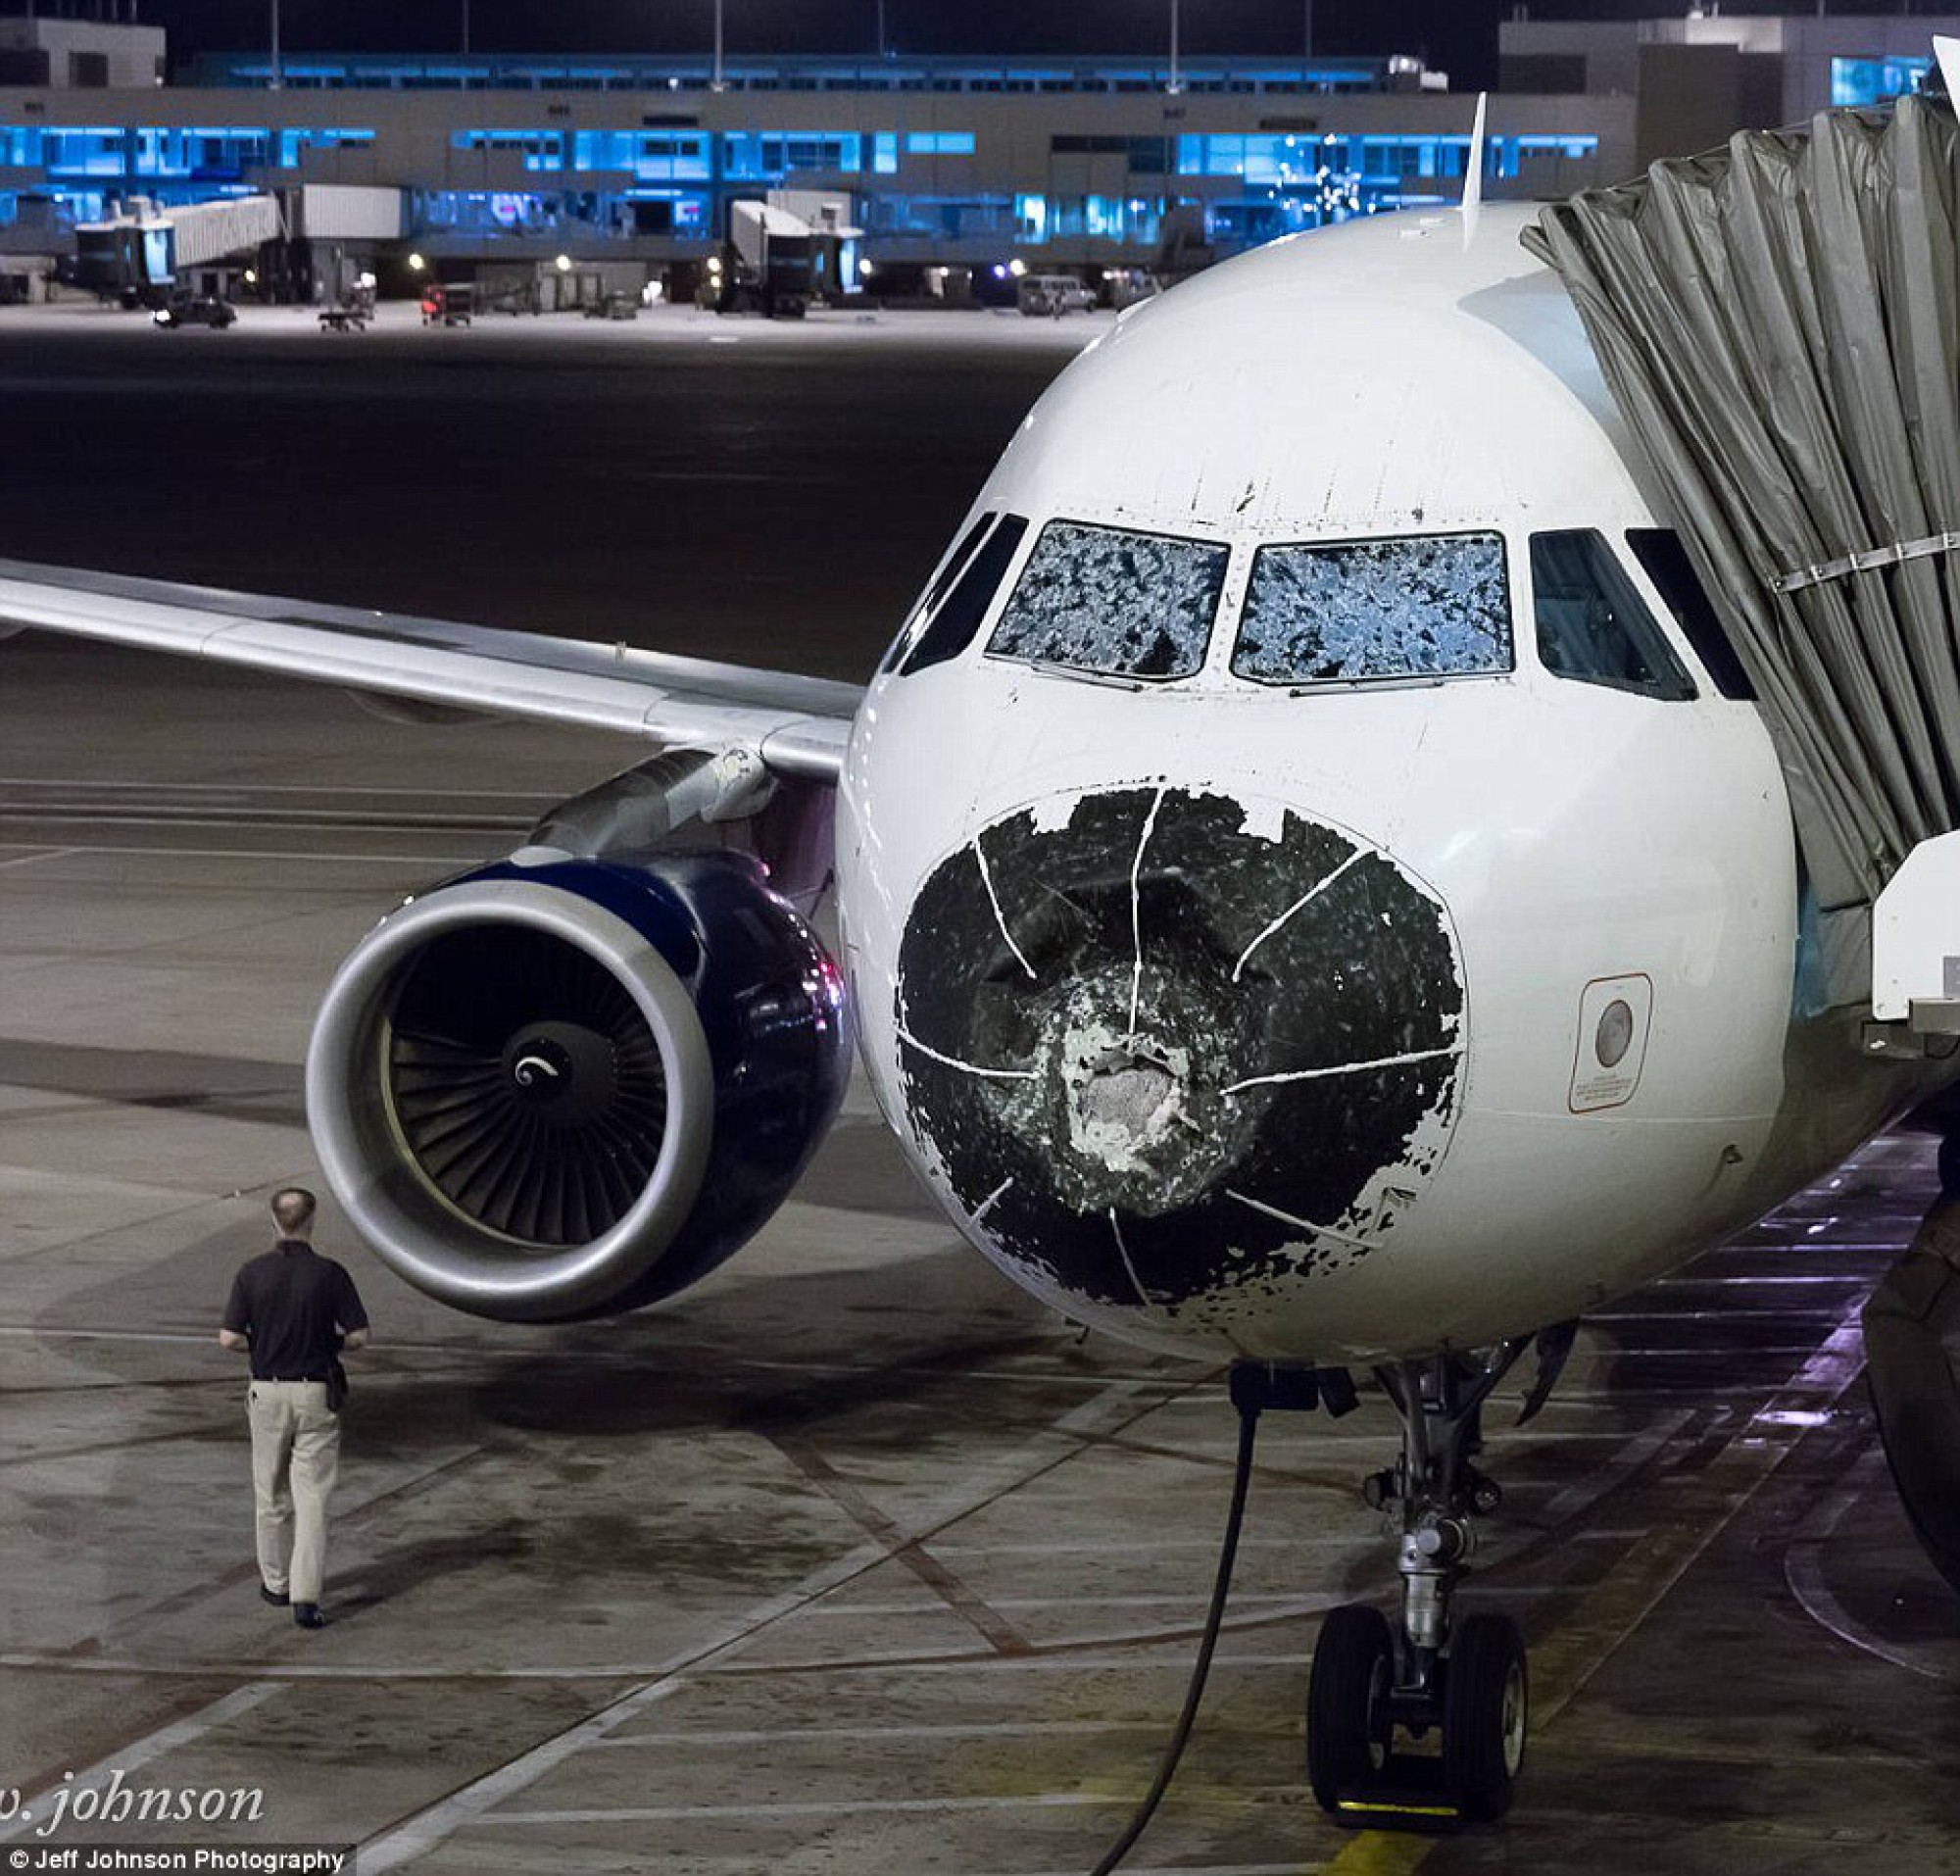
[[1779, 322]]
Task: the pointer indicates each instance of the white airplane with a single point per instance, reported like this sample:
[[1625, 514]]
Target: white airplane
[[1315, 894]]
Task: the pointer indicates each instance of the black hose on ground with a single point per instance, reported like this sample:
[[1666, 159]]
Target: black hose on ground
[[1242, 1478]]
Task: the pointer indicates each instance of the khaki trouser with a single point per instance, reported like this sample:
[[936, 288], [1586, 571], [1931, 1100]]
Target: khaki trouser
[[295, 1455]]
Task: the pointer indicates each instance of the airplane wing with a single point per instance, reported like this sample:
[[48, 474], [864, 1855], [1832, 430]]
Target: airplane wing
[[798, 725]]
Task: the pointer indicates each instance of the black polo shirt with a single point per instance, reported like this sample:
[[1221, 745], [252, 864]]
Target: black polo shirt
[[293, 1304]]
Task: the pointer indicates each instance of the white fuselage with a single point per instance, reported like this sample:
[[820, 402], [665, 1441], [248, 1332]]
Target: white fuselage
[[1322, 1019]]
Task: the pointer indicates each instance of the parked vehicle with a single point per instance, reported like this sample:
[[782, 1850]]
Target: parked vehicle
[[1050, 295], [612, 306], [196, 310]]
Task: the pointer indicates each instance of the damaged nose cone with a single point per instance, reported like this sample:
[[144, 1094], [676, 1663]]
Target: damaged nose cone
[[1168, 1048]]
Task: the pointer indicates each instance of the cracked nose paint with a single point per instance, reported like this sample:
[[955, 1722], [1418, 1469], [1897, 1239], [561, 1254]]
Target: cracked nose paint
[[1170, 1049]]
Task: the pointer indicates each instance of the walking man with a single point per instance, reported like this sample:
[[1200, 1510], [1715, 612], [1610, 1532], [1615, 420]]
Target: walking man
[[294, 1311]]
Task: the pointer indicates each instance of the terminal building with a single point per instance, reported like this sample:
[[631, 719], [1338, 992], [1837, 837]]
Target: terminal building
[[935, 170]]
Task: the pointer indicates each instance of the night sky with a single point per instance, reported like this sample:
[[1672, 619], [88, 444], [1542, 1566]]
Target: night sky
[[1458, 36]]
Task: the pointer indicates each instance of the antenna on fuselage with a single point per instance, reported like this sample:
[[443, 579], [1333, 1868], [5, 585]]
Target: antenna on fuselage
[[1473, 174]]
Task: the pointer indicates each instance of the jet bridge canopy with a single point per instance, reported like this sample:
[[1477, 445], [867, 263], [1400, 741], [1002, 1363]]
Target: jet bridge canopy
[[1779, 322]]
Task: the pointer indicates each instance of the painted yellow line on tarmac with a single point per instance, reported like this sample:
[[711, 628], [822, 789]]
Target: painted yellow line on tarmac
[[1380, 1853]]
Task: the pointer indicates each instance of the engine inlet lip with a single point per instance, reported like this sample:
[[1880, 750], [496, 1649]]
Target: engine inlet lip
[[412, 1225]]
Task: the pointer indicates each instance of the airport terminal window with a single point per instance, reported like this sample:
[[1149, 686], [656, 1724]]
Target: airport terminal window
[[293, 144], [951, 629], [1592, 627], [1118, 604], [84, 152], [540, 149], [1660, 552], [1349, 611]]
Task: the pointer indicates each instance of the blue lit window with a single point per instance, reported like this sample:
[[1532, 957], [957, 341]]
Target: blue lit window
[[90, 152], [885, 153], [540, 149], [939, 144], [19, 146], [1868, 81], [1031, 219], [653, 157], [294, 143], [768, 157]]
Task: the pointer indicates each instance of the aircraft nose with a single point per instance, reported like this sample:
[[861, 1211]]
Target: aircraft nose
[[1168, 1047]]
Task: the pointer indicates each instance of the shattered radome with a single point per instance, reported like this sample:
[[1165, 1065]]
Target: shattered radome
[[1168, 1047]]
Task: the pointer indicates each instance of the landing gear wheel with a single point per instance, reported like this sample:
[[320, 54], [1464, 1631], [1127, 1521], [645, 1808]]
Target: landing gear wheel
[[1347, 1702], [1486, 1698]]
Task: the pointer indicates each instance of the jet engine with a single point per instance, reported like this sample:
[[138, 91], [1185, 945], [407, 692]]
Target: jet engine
[[562, 1087]]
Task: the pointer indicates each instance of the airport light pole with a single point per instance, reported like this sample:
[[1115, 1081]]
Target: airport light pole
[[276, 81], [1176, 84], [717, 83]]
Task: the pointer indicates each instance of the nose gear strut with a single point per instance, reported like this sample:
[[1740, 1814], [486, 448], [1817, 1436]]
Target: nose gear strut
[[1463, 1679]]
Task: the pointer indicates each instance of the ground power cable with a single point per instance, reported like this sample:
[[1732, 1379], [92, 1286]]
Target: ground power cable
[[1247, 1398]]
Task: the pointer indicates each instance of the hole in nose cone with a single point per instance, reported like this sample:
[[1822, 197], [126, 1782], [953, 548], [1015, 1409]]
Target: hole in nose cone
[[1124, 1103], [1132, 1097]]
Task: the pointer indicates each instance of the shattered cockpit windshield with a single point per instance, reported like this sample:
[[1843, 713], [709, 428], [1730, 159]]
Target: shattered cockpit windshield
[[1106, 601], [1416, 606]]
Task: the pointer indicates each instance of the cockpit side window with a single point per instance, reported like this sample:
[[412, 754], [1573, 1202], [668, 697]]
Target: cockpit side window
[[1591, 625], [951, 629], [1113, 603], [956, 562], [1348, 611], [1660, 552]]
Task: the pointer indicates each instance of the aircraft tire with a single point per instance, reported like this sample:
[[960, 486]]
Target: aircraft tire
[[1486, 1705], [1353, 1668], [1912, 1356]]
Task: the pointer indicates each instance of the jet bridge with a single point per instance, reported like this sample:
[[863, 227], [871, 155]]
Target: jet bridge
[[1779, 324]]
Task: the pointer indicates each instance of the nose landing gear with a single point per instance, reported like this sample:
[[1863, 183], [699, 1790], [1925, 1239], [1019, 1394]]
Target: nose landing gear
[[1379, 1704]]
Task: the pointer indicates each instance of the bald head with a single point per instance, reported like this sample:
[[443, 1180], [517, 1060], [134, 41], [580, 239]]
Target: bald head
[[292, 1212]]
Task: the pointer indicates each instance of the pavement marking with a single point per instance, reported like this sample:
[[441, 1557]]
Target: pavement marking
[[1181, 1869], [470, 1805], [908, 1552], [374, 1673], [29, 859], [814, 1808], [152, 1746], [1634, 1455], [168, 788], [429, 1828], [1803, 1571], [886, 1735], [271, 853]]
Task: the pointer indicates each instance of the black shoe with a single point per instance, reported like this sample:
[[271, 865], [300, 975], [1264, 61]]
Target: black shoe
[[308, 1615], [278, 1597]]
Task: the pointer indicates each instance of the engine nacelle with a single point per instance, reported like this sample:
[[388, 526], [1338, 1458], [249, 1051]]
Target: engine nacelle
[[551, 1091]]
